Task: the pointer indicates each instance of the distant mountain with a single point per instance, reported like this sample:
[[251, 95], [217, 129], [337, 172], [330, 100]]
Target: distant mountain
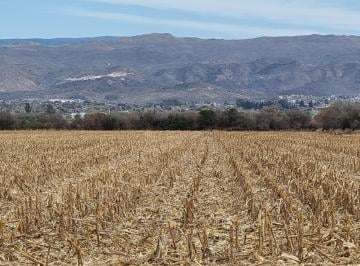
[[51, 42], [154, 67]]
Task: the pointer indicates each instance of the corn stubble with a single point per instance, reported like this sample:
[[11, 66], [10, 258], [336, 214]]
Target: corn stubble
[[175, 198]]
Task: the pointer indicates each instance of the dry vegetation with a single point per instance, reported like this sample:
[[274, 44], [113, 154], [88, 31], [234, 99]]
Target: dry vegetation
[[130, 198]]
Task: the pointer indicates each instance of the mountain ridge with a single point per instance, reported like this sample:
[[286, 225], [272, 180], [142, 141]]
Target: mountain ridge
[[163, 66]]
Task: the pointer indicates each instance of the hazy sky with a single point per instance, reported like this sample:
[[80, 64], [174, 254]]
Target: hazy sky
[[229, 19]]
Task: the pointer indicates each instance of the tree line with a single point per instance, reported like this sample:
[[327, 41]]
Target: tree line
[[280, 103], [337, 116]]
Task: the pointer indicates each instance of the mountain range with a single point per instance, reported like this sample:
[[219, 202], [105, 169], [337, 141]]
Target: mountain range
[[155, 67]]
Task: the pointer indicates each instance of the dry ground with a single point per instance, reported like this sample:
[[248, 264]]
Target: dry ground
[[175, 198]]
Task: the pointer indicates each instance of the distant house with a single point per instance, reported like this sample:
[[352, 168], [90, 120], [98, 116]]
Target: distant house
[[73, 115]]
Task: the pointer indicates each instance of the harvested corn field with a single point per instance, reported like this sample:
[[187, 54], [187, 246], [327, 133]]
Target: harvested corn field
[[175, 198]]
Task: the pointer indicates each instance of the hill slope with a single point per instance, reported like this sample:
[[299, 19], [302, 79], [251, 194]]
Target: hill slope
[[149, 68]]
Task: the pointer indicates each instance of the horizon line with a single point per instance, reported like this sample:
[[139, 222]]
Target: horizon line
[[175, 36]]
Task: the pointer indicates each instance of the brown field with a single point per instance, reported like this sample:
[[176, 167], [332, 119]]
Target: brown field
[[175, 198]]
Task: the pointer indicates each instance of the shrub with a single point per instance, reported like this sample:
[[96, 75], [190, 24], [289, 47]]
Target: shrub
[[7, 121]]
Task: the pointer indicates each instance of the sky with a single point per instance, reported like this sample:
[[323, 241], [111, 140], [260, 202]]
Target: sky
[[225, 19]]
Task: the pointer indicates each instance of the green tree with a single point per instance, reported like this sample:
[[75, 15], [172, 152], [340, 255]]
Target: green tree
[[207, 119], [7, 121], [311, 104], [50, 109], [232, 116], [28, 108]]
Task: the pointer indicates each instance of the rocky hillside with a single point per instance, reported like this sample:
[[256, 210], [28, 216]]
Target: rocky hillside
[[150, 68]]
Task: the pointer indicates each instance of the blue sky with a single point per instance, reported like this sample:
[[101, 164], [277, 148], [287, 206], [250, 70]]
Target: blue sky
[[228, 19]]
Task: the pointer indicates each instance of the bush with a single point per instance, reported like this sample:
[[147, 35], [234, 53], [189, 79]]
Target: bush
[[52, 121], [7, 121], [299, 120], [339, 116], [207, 119], [99, 121]]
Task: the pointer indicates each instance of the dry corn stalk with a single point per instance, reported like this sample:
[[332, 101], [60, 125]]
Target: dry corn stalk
[[96, 197]]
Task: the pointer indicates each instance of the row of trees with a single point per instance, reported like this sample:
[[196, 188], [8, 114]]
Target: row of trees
[[338, 116], [279, 103]]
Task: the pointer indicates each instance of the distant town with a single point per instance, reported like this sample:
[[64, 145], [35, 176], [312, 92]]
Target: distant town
[[73, 107]]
